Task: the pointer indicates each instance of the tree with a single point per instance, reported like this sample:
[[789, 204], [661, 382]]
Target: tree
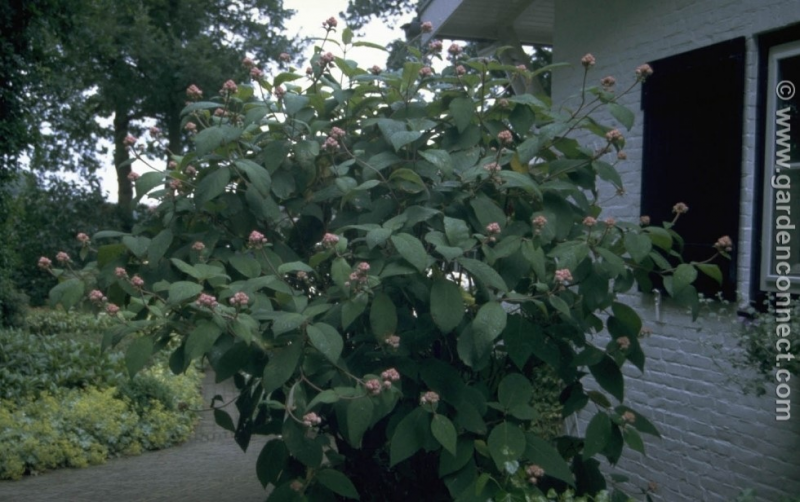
[[129, 61]]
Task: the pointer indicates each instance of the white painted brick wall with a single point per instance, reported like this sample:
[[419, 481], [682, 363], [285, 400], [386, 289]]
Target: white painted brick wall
[[716, 440]]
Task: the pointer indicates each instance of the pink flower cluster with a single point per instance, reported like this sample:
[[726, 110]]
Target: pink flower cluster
[[492, 167], [390, 376], [248, 62], [330, 23], [435, 46], [426, 27], [256, 239], [614, 136], [239, 299], [460, 70], [680, 208], [644, 220], [326, 59], [137, 282], [392, 341], [643, 71], [624, 342], [629, 417], [45, 262], [429, 397], [589, 221], [198, 246], [311, 419], [588, 61], [622, 155], [63, 257], [360, 275], [534, 473], [375, 70], [256, 72], [563, 275], [133, 176], [129, 140], [96, 296], [205, 300], [373, 386], [280, 92], [121, 273], [539, 222], [493, 228], [330, 144], [284, 57], [724, 243], [454, 50], [191, 127], [194, 92], [425, 71], [610, 221], [330, 240], [112, 309], [229, 87], [83, 238], [608, 82], [505, 137], [337, 133]]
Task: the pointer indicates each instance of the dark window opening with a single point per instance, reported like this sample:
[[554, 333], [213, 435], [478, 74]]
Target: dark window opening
[[693, 108]]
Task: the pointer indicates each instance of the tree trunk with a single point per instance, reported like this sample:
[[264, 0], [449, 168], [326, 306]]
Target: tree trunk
[[173, 118], [123, 168]]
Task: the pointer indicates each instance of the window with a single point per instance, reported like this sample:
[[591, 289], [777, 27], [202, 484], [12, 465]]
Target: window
[[693, 109], [780, 224]]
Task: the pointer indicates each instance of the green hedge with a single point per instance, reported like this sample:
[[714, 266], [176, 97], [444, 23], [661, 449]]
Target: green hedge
[[63, 403]]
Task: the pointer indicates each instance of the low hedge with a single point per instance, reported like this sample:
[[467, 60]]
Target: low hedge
[[64, 403]]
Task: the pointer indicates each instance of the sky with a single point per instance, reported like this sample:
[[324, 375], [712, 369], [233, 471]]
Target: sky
[[307, 22]]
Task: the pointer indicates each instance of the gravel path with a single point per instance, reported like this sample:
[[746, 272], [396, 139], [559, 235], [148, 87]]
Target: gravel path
[[208, 468]]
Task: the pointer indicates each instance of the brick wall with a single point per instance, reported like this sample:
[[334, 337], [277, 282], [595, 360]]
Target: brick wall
[[716, 440]]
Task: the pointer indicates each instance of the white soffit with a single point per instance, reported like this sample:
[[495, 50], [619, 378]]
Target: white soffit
[[532, 20]]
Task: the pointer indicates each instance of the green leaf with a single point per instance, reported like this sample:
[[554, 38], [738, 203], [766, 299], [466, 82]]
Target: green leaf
[[607, 172], [328, 396], [294, 266], [371, 45], [487, 326], [212, 185], [411, 249], [334, 480], [608, 375], [684, 275], [327, 340], [293, 103], [287, 321], [138, 354], [598, 434], [506, 444], [458, 233], [641, 424], [484, 273], [408, 180], [409, 436], [245, 265], [159, 246], [514, 389], [513, 179], [462, 109], [183, 290], [377, 237], [660, 237], [136, 245], [633, 439], [402, 138], [439, 158], [259, 176], [359, 418], [540, 452], [271, 462], [449, 463], [351, 310], [487, 211], [67, 293], [147, 182], [444, 432], [638, 246], [347, 37], [201, 339], [622, 114], [383, 316], [560, 305], [210, 138], [447, 305], [710, 270], [303, 448], [282, 363]]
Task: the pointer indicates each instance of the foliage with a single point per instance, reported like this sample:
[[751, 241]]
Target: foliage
[[45, 218], [13, 304], [383, 261], [64, 403], [69, 325], [752, 363]]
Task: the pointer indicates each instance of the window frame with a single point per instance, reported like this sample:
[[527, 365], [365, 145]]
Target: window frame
[[768, 276]]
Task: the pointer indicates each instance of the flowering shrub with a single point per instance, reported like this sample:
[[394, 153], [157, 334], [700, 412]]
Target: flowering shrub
[[383, 262]]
